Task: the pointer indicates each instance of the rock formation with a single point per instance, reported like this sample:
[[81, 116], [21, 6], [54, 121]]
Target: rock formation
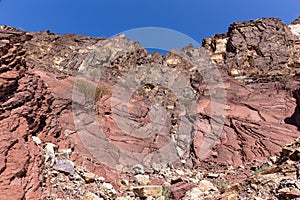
[[258, 48], [226, 108]]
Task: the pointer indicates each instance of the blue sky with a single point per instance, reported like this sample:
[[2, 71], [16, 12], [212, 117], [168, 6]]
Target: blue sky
[[196, 18]]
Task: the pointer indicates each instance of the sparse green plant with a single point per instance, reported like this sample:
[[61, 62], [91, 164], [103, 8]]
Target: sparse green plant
[[262, 169], [221, 184], [90, 90], [166, 192]]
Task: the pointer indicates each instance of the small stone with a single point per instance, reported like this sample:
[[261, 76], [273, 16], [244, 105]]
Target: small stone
[[230, 196], [167, 184], [205, 185], [179, 172], [254, 186], [283, 190], [91, 196], [64, 154], [241, 167], [65, 166], [108, 186], [89, 177], [101, 179], [211, 175], [273, 159], [195, 193], [142, 179], [294, 193], [109, 190], [146, 191], [138, 169], [290, 162], [156, 168], [36, 140], [179, 189], [170, 107], [234, 72], [195, 181], [49, 151]]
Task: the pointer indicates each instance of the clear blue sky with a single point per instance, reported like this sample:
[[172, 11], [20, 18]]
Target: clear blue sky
[[195, 18]]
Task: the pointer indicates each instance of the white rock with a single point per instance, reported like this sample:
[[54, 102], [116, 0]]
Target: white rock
[[205, 186], [195, 193], [49, 151], [36, 140], [221, 45], [108, 186], [295, 28], [234, 72], [180, 172], [211, 175], [172, 61], [101, 179], [142, 179]]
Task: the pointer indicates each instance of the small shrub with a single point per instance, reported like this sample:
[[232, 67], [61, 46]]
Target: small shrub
[[262, 169], [166, 192], [221, 184], [90, 90]]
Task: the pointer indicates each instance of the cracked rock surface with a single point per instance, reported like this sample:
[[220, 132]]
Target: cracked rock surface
[[189, 124]]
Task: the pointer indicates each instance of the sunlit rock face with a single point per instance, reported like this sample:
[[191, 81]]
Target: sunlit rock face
[[257, 48], [239, 105], [25, 111]]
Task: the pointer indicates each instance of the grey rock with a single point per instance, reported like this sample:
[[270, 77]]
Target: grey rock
[[65, 166], [138, 169]]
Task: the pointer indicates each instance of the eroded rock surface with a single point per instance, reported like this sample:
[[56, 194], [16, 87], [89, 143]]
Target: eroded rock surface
[[25, 111], [258, 48], [231, 109]]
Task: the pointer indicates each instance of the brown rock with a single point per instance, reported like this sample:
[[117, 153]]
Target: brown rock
[[179, 189]]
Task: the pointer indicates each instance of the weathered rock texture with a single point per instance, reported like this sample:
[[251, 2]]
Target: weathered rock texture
[[25, 111], [259, 48], [244, 108], [63, 53], [29, 108]]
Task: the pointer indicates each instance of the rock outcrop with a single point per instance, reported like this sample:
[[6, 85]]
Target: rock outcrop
[[85, 118], [25, 111], [257, 49], [62, 53]]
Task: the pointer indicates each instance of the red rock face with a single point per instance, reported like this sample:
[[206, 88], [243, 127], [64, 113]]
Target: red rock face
[[255, 127], [25, 106], [261, 113]]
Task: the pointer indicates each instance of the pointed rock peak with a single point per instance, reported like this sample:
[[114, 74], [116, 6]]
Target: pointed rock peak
[[296, 21]]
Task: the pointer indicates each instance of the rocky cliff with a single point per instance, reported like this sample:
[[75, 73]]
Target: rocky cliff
[[259, 48], [65, 132]]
